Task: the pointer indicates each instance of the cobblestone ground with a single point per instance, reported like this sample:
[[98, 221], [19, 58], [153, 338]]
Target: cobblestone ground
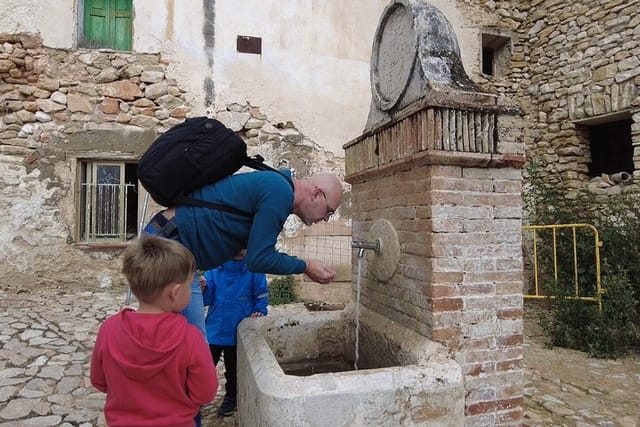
[[567, 388], [46, 336]]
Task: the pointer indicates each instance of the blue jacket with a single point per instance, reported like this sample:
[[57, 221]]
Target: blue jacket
[[215, 236], [232, 293]]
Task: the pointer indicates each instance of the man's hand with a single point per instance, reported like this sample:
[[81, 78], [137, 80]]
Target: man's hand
[[319, 272]]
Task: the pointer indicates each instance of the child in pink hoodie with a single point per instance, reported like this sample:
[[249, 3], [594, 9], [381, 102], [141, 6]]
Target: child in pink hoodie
[[155, 367]]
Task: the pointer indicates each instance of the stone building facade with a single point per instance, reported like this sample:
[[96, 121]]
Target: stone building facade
[[63, 111], [573, 70], [67, 113]]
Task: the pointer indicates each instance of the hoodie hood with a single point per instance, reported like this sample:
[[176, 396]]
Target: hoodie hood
[[234, 266], [143, 344]]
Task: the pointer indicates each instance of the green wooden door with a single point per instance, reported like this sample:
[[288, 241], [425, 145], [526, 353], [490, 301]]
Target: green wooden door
[[107, 23]]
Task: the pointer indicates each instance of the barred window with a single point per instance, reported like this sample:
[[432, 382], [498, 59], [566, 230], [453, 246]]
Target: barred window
[[108, 201]]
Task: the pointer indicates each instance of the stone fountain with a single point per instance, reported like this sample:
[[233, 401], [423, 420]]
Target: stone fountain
[[436, 180]]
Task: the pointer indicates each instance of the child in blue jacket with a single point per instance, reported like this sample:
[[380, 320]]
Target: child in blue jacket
[[232, 293]]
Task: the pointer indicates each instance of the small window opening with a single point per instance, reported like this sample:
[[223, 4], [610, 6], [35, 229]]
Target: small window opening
[[108, 201], [487, 60], [611, 148], [496, 55], [249, 44]]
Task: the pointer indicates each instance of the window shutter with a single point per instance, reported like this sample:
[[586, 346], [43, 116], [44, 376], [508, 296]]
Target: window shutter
[[96, 26], [107, 23], [122, 24]]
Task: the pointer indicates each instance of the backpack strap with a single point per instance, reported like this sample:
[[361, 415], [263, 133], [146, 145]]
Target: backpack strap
[[254, 162], [257, 162], [217, 206]]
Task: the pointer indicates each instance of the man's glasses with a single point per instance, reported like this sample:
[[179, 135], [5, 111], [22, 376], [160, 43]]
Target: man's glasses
[[330, 211]]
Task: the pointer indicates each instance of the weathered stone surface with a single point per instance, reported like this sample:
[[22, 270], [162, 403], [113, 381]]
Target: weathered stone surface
[[161, 114], [26, 116], [107, 75], [59, 97], [143, 103], [13, 95], [152, 76], [30, 106], [49, 106], [253, 123], [133, 70], [123, 118], [169, 101], [30, 40], [49, 84], [26, 131], [42, 117], [6, 65], [41, 93], [123, 89], [79, 103], [89, 90], [155, 90], [17, 408], [179, 113], [143, 121], [233, 120], [26, 90], [110, 106]]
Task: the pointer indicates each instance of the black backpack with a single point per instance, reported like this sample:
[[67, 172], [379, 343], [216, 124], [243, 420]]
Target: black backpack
[[190, 155]]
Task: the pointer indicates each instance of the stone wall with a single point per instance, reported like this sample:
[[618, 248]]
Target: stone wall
[[48, 93], [55, 107], [569, 62], [59, 106], [583, 62]]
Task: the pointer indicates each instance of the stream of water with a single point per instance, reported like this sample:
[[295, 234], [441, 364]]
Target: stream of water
[[357, 355]]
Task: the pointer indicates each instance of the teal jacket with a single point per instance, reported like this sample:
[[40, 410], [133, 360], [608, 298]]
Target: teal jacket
[[215, 236], [232, 294]]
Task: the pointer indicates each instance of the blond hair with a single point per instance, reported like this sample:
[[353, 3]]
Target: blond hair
[[151, 263]]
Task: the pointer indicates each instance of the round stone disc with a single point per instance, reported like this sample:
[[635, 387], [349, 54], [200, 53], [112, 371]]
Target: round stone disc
[[384, 263]]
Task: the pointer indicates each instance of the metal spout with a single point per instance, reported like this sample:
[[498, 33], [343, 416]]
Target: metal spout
[[362, 246]]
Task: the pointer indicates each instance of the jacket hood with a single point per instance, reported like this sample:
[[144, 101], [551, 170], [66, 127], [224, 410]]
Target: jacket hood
[[144, 343], [234, 266]]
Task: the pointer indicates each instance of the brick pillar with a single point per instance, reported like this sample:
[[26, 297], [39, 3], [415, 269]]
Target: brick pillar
[[451, 187], [475, 291]]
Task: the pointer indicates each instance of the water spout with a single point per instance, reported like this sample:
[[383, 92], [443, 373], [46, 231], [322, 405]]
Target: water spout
[[362, 246]]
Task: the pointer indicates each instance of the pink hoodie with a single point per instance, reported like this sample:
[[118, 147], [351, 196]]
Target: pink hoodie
[[155, 368]]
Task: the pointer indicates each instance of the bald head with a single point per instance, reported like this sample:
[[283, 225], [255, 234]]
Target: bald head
[[317, 198], [330, 184]]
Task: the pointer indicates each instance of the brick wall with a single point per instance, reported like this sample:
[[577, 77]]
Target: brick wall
[[459, 278]]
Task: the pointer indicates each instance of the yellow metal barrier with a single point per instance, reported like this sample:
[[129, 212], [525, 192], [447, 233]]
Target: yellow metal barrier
[[535, 229]]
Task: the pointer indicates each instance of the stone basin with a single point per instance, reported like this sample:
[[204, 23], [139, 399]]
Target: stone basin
[[285, 376]]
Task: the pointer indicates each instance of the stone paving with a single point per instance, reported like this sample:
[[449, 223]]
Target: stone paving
[[567, 388], [47, 333]]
